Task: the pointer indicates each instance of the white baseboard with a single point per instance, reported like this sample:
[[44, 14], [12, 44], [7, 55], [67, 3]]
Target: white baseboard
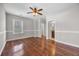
[[2, 48], [18, 38], [70, 44]]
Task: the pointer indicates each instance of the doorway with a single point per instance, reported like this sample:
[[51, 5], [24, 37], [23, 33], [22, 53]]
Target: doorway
[[51, 29]]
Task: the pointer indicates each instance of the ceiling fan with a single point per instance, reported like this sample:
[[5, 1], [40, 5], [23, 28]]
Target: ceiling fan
[[35, 11]]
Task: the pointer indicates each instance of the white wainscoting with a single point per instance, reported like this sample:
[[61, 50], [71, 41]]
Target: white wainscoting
[[2, 34], [26, 33], [68, 37]]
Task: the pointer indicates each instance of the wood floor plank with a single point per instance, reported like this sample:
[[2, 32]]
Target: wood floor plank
[[35, 46]]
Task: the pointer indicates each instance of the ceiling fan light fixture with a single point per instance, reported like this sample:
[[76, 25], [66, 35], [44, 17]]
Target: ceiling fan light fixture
[[35, 11], [34, 14]]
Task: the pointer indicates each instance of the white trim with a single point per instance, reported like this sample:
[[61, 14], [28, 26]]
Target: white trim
[[13, 26], [20, 38], [2, 48], [50, 23], [46, 29], [70, 44], [25, 30], [22, 25], [16, 38], [68, 31], [31, 30]]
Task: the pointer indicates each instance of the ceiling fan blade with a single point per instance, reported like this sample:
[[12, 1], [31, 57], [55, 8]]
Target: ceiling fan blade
[[29, 12], [40, 9], [40, 13], [31, 8]]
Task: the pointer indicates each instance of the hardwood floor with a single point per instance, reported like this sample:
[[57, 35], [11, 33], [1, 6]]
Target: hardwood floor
[[38, 47]]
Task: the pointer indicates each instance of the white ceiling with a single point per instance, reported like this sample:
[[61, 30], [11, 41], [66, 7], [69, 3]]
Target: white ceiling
[[49, 9]]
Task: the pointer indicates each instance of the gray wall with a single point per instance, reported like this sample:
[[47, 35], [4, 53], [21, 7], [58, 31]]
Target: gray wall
[[30, 27], [2, 28], [67, 26]]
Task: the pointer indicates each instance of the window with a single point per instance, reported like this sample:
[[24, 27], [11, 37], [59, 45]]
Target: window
[[17, 26]]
